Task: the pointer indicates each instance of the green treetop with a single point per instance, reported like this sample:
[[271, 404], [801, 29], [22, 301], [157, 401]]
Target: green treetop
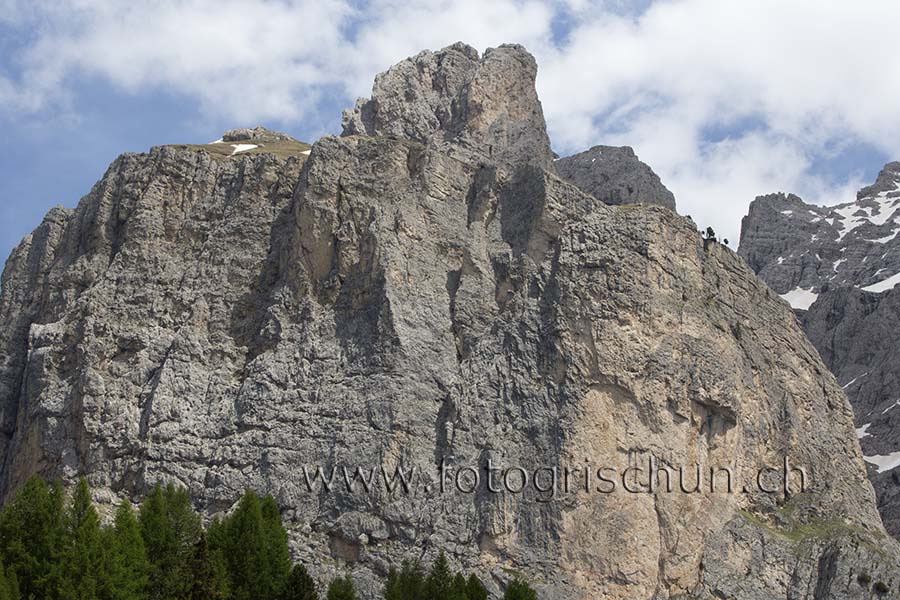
[[170, 528], [342, 588], [519, 590], [31, 538], [299, 586], [82, 550], [126, 565]]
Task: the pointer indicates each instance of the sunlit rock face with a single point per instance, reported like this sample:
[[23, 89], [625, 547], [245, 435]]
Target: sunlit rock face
[[425, 293]]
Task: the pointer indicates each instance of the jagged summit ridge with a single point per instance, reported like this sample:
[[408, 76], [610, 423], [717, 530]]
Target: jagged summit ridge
[[486, 107], [887, 182], [798, 246]]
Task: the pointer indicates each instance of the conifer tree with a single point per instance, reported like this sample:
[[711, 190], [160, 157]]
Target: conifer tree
[[82, 551], [392, 586], [255, 544], [245, 549], [217, 536], [299, 586], [458, 588], [475, 590], [50, 550], [170, 528], [276, 552], [31, 535], [519, 590], [408, 584], [126, 566], [9, 589], [439, 585], [209, 579], [185, 520], [342, 588], [158, 536]]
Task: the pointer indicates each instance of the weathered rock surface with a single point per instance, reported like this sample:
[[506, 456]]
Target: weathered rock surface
[[426, 289], [615, 175], [482, 108], [838, 267], [794, 245], [256, 134]]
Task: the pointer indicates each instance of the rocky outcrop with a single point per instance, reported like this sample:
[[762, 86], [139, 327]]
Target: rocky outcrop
[[256, 134], [838, 267], [422, 292], [482, 108], [614, 175]]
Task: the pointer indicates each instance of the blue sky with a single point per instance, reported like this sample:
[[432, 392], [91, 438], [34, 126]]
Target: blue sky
[[725, 100]]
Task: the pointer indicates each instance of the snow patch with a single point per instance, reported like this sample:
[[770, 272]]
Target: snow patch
[[883, 211], [243, 147], [780, 260], [883, 286], [306, 152], [891, 407], [884, 463], [854, 380], [862, 433], [849, 220], [218, 141], [800, 298], [886, 238]]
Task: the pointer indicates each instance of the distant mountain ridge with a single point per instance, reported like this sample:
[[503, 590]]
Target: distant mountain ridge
[[839, 267], [795, 246]]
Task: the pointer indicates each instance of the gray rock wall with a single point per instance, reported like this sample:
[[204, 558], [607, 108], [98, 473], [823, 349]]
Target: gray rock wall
[[407, 297], [615, 176]]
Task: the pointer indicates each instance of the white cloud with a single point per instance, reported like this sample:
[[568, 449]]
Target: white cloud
[[259, 60], [250, 60], [801, 65], [807, 76], [724, 99]]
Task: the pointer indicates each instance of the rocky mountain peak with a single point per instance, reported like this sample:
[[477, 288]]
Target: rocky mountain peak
[[485, 106], [425, 291], [615, 175], [888, 182], [800, 248]]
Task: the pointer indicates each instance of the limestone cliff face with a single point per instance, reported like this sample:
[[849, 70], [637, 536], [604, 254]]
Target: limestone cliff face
[[424, 290], [839, 267]]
